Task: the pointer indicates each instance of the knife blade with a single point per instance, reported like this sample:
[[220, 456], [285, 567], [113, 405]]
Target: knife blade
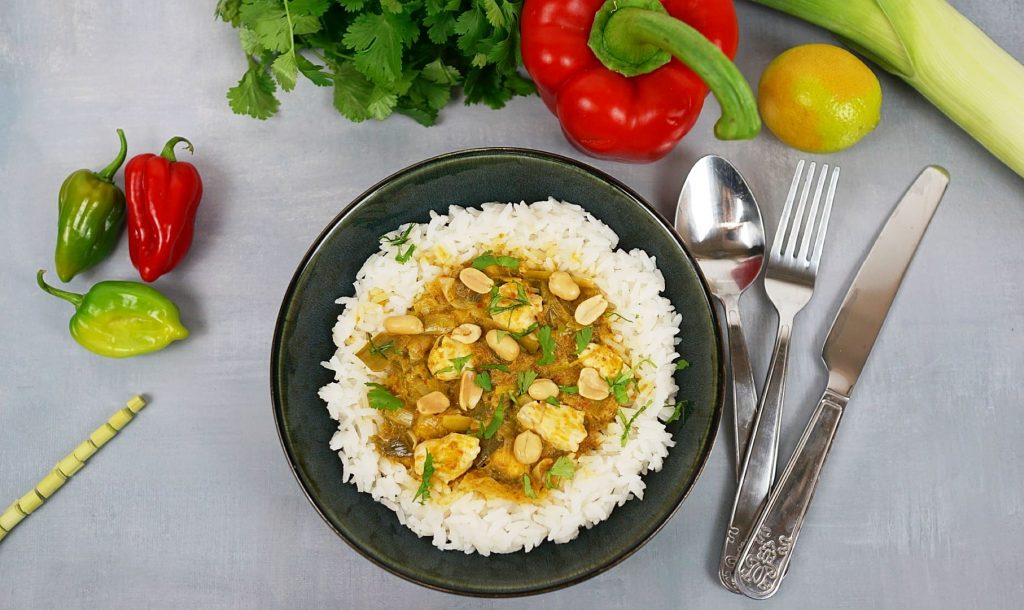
[[765, 556]]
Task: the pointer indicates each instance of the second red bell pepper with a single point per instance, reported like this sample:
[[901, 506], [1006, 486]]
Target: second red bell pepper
[[627, 78], [163, 195]]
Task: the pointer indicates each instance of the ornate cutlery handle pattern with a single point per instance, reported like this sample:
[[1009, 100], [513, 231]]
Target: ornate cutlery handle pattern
[[766, 555]]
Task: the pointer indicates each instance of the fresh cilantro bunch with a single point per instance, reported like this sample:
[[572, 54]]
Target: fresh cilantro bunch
[[380, 56]]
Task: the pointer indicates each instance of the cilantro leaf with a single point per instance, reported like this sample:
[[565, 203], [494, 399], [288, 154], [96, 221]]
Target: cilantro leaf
[[382, 399], [551, 400], [583, 337], [681, 407], [313, 72], [483, 381], [285, 70], [547, 345], [528, 487], [496, 420], [254, 93], [487, 259], [423, 493], [352, 92], [563, 468], [682, 364], [525, 379], [378, 40], [529, 329], [382, 349], [627, 424], [569, 389], [403, 257], [619, 384]]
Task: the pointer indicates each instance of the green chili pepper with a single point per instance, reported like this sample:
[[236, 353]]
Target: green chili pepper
[[90, 218], [121, 319]]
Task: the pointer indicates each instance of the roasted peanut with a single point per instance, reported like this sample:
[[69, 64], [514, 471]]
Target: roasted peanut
[[433, 403], [503, 344], [466, 333], [403, 325], [476, 280], [590, 310], [543, 388], [563, 286], [527, 447], [469, 392], [591, 385]]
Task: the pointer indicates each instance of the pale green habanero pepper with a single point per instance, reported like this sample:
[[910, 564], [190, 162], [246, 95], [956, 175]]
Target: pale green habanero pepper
[[121, 319]]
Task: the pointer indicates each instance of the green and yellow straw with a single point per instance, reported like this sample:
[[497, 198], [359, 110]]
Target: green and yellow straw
[[68, 467]]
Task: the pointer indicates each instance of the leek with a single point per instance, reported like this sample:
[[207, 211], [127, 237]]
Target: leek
[[939, 52]]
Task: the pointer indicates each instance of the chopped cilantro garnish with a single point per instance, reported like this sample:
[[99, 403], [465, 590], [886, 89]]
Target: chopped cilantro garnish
[[618, 385], [400, 239], [521, 300], [528, 487], [520, 335], [403, 257], [682, 364], [551, 400], [458, 363], [682, 407], [563, 468], [616, 314], [547, 344], [643, 362], [383, 348], [627, 424], [483, 381], [492, 426], [380, 398], [569, 389], [423, 493], [487, 259], [583, 337], [525, 379]]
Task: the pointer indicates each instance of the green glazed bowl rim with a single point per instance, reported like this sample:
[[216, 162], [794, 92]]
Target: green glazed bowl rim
[[277, 397]]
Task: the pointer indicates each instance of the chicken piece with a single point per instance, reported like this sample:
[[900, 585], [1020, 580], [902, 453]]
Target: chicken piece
[[503, 461], [521, 315], [451, 455], [602, 358], [560, 425], [442, 358]]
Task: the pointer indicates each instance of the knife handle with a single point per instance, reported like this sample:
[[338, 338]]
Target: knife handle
[[765, 556]]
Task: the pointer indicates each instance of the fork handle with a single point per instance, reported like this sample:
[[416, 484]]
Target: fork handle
[[758, 472], [744, 393], [765, 556]]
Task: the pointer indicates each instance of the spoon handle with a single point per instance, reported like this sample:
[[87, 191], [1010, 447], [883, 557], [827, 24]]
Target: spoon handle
[[744, 393], [758, 471]]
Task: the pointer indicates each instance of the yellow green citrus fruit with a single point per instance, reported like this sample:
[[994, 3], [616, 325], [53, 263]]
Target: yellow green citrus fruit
[[819, 98]]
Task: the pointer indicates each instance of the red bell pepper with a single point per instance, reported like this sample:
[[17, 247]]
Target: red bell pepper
[[163, 195], [627, 78]]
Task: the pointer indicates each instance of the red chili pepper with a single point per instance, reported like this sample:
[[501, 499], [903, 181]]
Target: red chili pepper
[[626, 78], [163, 195]]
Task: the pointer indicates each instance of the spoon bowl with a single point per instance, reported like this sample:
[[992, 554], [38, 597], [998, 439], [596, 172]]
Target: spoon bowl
[[718, 219]]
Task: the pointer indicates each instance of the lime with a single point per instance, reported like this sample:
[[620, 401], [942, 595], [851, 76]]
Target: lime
[[819, 98]]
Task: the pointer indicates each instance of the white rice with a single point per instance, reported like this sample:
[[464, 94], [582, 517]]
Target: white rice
[[549, 235]]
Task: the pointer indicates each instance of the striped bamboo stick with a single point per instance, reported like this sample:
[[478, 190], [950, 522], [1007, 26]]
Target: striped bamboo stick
[[67, 467]]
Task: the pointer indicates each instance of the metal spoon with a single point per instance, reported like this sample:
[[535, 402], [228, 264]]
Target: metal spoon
[[720, 222]]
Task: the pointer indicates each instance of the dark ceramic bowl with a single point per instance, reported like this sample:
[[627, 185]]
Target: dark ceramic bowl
[[302, 340]]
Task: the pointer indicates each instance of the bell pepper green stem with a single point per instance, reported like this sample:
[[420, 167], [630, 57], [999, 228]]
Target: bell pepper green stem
[[71, 297], [168, 151], [632, 37], [107, 173]]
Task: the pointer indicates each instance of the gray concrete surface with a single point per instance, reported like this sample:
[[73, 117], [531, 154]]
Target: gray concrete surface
[[922, 505]]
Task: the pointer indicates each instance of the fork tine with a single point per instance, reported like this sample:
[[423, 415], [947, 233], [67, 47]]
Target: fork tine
[[794, 233], [809, 225], [780, 233], [826, 213]]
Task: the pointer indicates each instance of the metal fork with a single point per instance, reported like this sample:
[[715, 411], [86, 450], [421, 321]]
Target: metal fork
[[789, 282]]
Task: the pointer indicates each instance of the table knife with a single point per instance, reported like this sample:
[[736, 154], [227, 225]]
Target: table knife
[[765, 556]]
